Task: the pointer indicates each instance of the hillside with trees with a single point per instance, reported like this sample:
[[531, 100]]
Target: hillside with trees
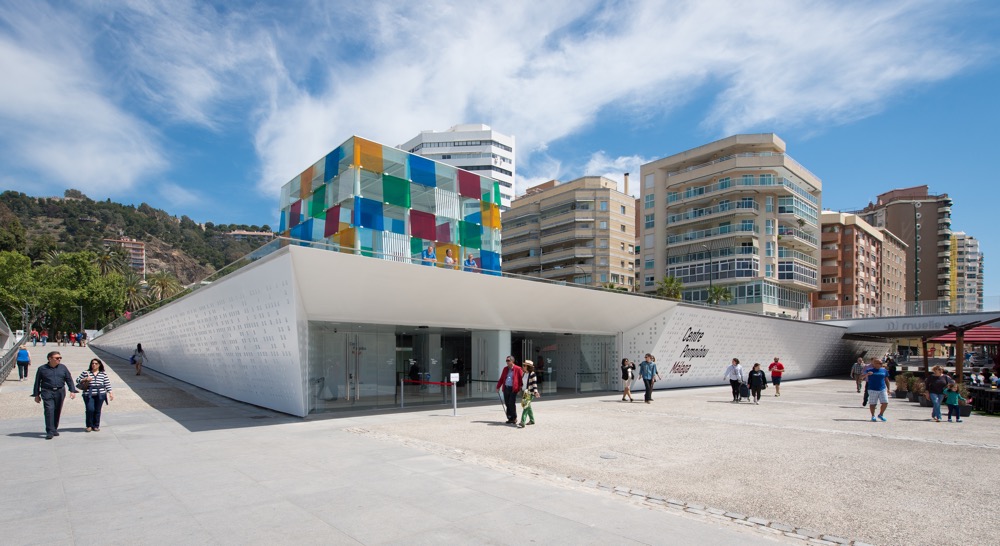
[[54, 261]]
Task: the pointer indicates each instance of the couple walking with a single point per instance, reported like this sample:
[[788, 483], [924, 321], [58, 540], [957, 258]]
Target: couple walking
[[648, 372], [512, 379]]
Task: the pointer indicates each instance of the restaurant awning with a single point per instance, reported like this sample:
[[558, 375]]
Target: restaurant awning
[[980, 335]]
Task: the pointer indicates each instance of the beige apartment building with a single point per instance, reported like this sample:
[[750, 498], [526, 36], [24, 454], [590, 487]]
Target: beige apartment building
[[136, 252], [581, 231], [923, 222], [893, 274], [861, 271], [737, 213]]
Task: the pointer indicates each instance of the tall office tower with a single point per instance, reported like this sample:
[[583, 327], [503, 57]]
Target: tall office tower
[[966, 273], [582, 231], [737, 213], [473, 147], [923, 222], [860, 272]]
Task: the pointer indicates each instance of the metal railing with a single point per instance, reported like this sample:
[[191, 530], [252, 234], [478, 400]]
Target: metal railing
[[9, 358], [908, 309]]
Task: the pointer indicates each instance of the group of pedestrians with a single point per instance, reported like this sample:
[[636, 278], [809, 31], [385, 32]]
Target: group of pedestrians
[[53, 379], [755, 381], [61, 338], [519, 380], [646, 370]]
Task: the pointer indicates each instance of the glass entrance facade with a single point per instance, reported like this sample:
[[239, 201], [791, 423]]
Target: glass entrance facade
[[363, 366]]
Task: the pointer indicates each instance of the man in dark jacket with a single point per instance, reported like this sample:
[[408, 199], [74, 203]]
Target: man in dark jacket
[[49, 382], [510, 381]]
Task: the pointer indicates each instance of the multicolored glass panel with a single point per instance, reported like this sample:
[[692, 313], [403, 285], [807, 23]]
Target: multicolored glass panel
[[379, 201]]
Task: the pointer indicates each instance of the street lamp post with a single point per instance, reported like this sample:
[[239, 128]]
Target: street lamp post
[[80, 307]]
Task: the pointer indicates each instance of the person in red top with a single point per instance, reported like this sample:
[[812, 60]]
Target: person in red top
[[776, 368], [510, 381]]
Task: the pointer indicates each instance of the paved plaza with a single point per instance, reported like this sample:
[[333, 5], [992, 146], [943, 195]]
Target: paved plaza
[[175, 464]]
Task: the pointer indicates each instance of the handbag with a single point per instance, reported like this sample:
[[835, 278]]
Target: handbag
[[83, 384]]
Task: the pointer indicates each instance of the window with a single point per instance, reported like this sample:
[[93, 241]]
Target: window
[[769, 227], [603, 243], [769, 204], [604, 205], [648, 264], [648, 201], [648, 181], [604, 277], [623, 228], [650, 220], [623, 209], [769, 249], [768, 270], [648, 280], [604, 225], [647, 241]]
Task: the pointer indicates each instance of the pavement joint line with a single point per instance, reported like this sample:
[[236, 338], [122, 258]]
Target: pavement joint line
[[758, 524], [826, 431]]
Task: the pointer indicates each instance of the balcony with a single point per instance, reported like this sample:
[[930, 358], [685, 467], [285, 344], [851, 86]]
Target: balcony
[[793, 236], [566, 254], [567, 217], [796, 255], [734, 185], [567, 234], [713, 232], [710, 212], [945, 220], [944, 230], [826, 270], [944, 254], [945, 242], [526, 262], [513, 248]]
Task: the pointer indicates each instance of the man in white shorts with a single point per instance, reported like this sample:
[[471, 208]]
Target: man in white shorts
[[878, 389]]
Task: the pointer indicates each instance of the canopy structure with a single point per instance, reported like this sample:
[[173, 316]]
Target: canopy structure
[[980, 335]]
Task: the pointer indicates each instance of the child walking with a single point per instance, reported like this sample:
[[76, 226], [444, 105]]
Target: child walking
[[951, 397], [530, 391]]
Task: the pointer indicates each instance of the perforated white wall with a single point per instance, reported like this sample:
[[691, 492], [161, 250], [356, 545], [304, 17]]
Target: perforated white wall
[[238, 337]]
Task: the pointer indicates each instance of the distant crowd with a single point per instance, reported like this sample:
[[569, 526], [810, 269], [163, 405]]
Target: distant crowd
[[61, 338]]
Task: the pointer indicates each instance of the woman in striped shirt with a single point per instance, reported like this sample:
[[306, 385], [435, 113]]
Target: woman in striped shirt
[[530, 391], [95, 393]]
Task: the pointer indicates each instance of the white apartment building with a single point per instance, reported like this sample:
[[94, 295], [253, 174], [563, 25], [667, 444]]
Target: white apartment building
[[966, 273], [473, 147], [738, 213]]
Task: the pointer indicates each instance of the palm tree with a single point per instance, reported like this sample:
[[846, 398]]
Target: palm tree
[[112, 260], [162, 285], [719, 294], [135, 298], [670, 287], [51, 258]]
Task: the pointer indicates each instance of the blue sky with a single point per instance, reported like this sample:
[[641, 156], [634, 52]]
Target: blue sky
[[206, 109]]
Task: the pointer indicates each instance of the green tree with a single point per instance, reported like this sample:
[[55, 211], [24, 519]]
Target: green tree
[[719, 294], [12, 236], [135, 297], [670, 287], [112, 259], [162, 285]]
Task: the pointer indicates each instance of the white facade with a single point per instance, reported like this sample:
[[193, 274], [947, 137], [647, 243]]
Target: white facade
[[473, 147], [276, 334]]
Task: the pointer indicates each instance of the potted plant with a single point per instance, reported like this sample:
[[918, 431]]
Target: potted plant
[[902, 385], [918, 390], [964, 408]]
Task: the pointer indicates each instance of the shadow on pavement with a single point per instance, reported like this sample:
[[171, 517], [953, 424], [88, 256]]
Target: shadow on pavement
[[192, 407]]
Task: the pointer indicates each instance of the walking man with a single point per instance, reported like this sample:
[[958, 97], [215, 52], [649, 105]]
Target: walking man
[[857, 372], [510, 381], [776, 368], [864, 374], [878, 389], [647, 369], [48, 391]]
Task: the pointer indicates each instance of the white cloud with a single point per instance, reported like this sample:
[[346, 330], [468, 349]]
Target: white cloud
[[56, 121], [545, 71], [614, 168], [90, 79]]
